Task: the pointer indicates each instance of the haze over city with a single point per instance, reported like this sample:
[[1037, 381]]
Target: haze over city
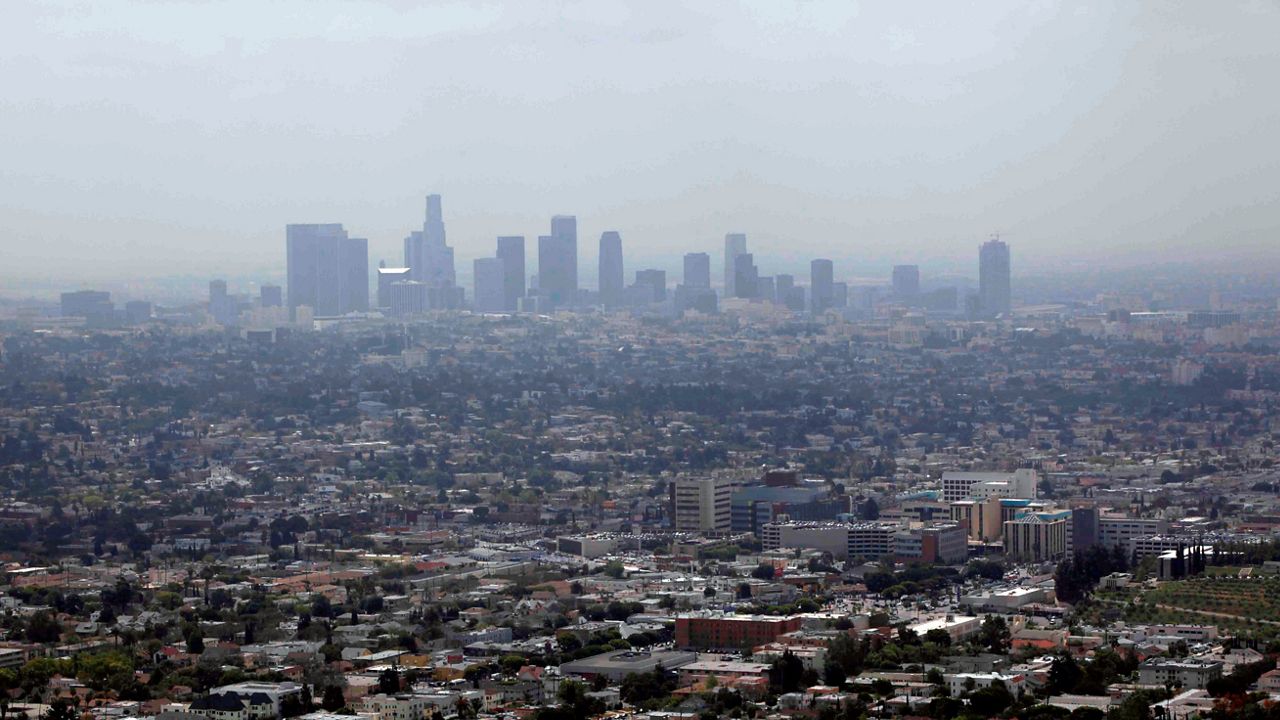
[[149, 139]]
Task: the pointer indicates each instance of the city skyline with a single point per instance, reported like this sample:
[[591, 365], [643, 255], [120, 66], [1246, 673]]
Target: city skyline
[[879, 133]]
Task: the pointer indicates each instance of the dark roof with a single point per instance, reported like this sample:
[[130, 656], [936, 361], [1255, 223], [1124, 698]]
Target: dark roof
[[226, 702]]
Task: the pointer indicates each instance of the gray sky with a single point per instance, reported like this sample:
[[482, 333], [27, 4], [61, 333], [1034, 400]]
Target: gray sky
[[162, 137]]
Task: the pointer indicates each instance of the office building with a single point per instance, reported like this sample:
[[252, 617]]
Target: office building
[[944, 543], [745, 276], [656, 283], [764, 289], [701, 504], [489, 277], [1037, 536], [699, 299], [222, 307], [430, 259], [1124, 532], [994, 285], [611, 277], [271, 296], [1021, 483], [87, 304], [327, 270], [906, 282], [137, 311], [386, 278], [821, 280], [697, 270], [981, 519], [840, 295], [782, 287], [1186, 673], [729, 632], [558, 263], [735, 244], [408, 297], [511, 252]]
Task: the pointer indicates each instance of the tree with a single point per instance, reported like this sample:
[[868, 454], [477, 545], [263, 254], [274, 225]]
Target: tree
[[1064, 674], [763, 571], [43, 628], [994, 634], [785, 673], [389, 682], [60, 710]]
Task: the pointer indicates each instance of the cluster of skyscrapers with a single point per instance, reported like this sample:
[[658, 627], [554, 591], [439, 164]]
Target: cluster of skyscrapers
[[328, 273]]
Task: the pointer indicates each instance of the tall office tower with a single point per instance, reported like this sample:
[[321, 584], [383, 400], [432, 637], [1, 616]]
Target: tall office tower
[[735, 244], [906, 282], [489, 279], [271, 296], [994, 287], [222, 307], [702, 504], [821, 279], [408, 298], [765, 290], [558, 263], [697, 270], [429, 257], [328, 271], [87, 303], [782, 285], [137, 312], [794, 299], [656, 281], [511, 253], [745, 276], [611, 274], [386, 278], [840, 295]]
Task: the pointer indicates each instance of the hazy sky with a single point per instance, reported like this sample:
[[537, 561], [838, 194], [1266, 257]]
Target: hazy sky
[[162, 137]]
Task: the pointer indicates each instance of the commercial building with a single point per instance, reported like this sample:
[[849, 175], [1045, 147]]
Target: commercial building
[[386, 278], [906, 282], [558, 263], [654, 282], [430, 259], [958, 485], [1037, 536], [865, 540], [1123, 532], [616, 665], [945, 543], [994, 284], [511, 252], [697, 270], [981, 519], [821, 279], [1185, 672], [327, 270], [489, 280], [731, 632], [745, 276], [735, 244], [702, 504], [611, 277], [87, 304]]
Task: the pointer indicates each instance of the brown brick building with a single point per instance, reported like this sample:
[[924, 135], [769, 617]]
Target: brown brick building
[[731, 631]]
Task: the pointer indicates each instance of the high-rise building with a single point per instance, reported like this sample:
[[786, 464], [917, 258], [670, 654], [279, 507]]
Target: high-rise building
[[327, 270], [137, 312], [735, 244], [906, 282], [611, 276], [511, 252], [430, 259], [994, 285], [408, 297], [271, 296], [222, 307], [558, 263], [782, 285], [765, 290], [386, 278], [655, 281], [698, 269], [745, 276], [490, 285], [702, 504], [821, 280]]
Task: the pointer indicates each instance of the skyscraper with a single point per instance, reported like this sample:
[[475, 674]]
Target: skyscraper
[[656, 281], [782, 285], [611, 272], [271, 296], [490, 285], [994, 286], [429, 257], [222, 307], [745, 275], [511, 252], [558, 263], [735, 244], [386, 278], [327, 271], [906, 282], [821, 280], [697, 270]]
